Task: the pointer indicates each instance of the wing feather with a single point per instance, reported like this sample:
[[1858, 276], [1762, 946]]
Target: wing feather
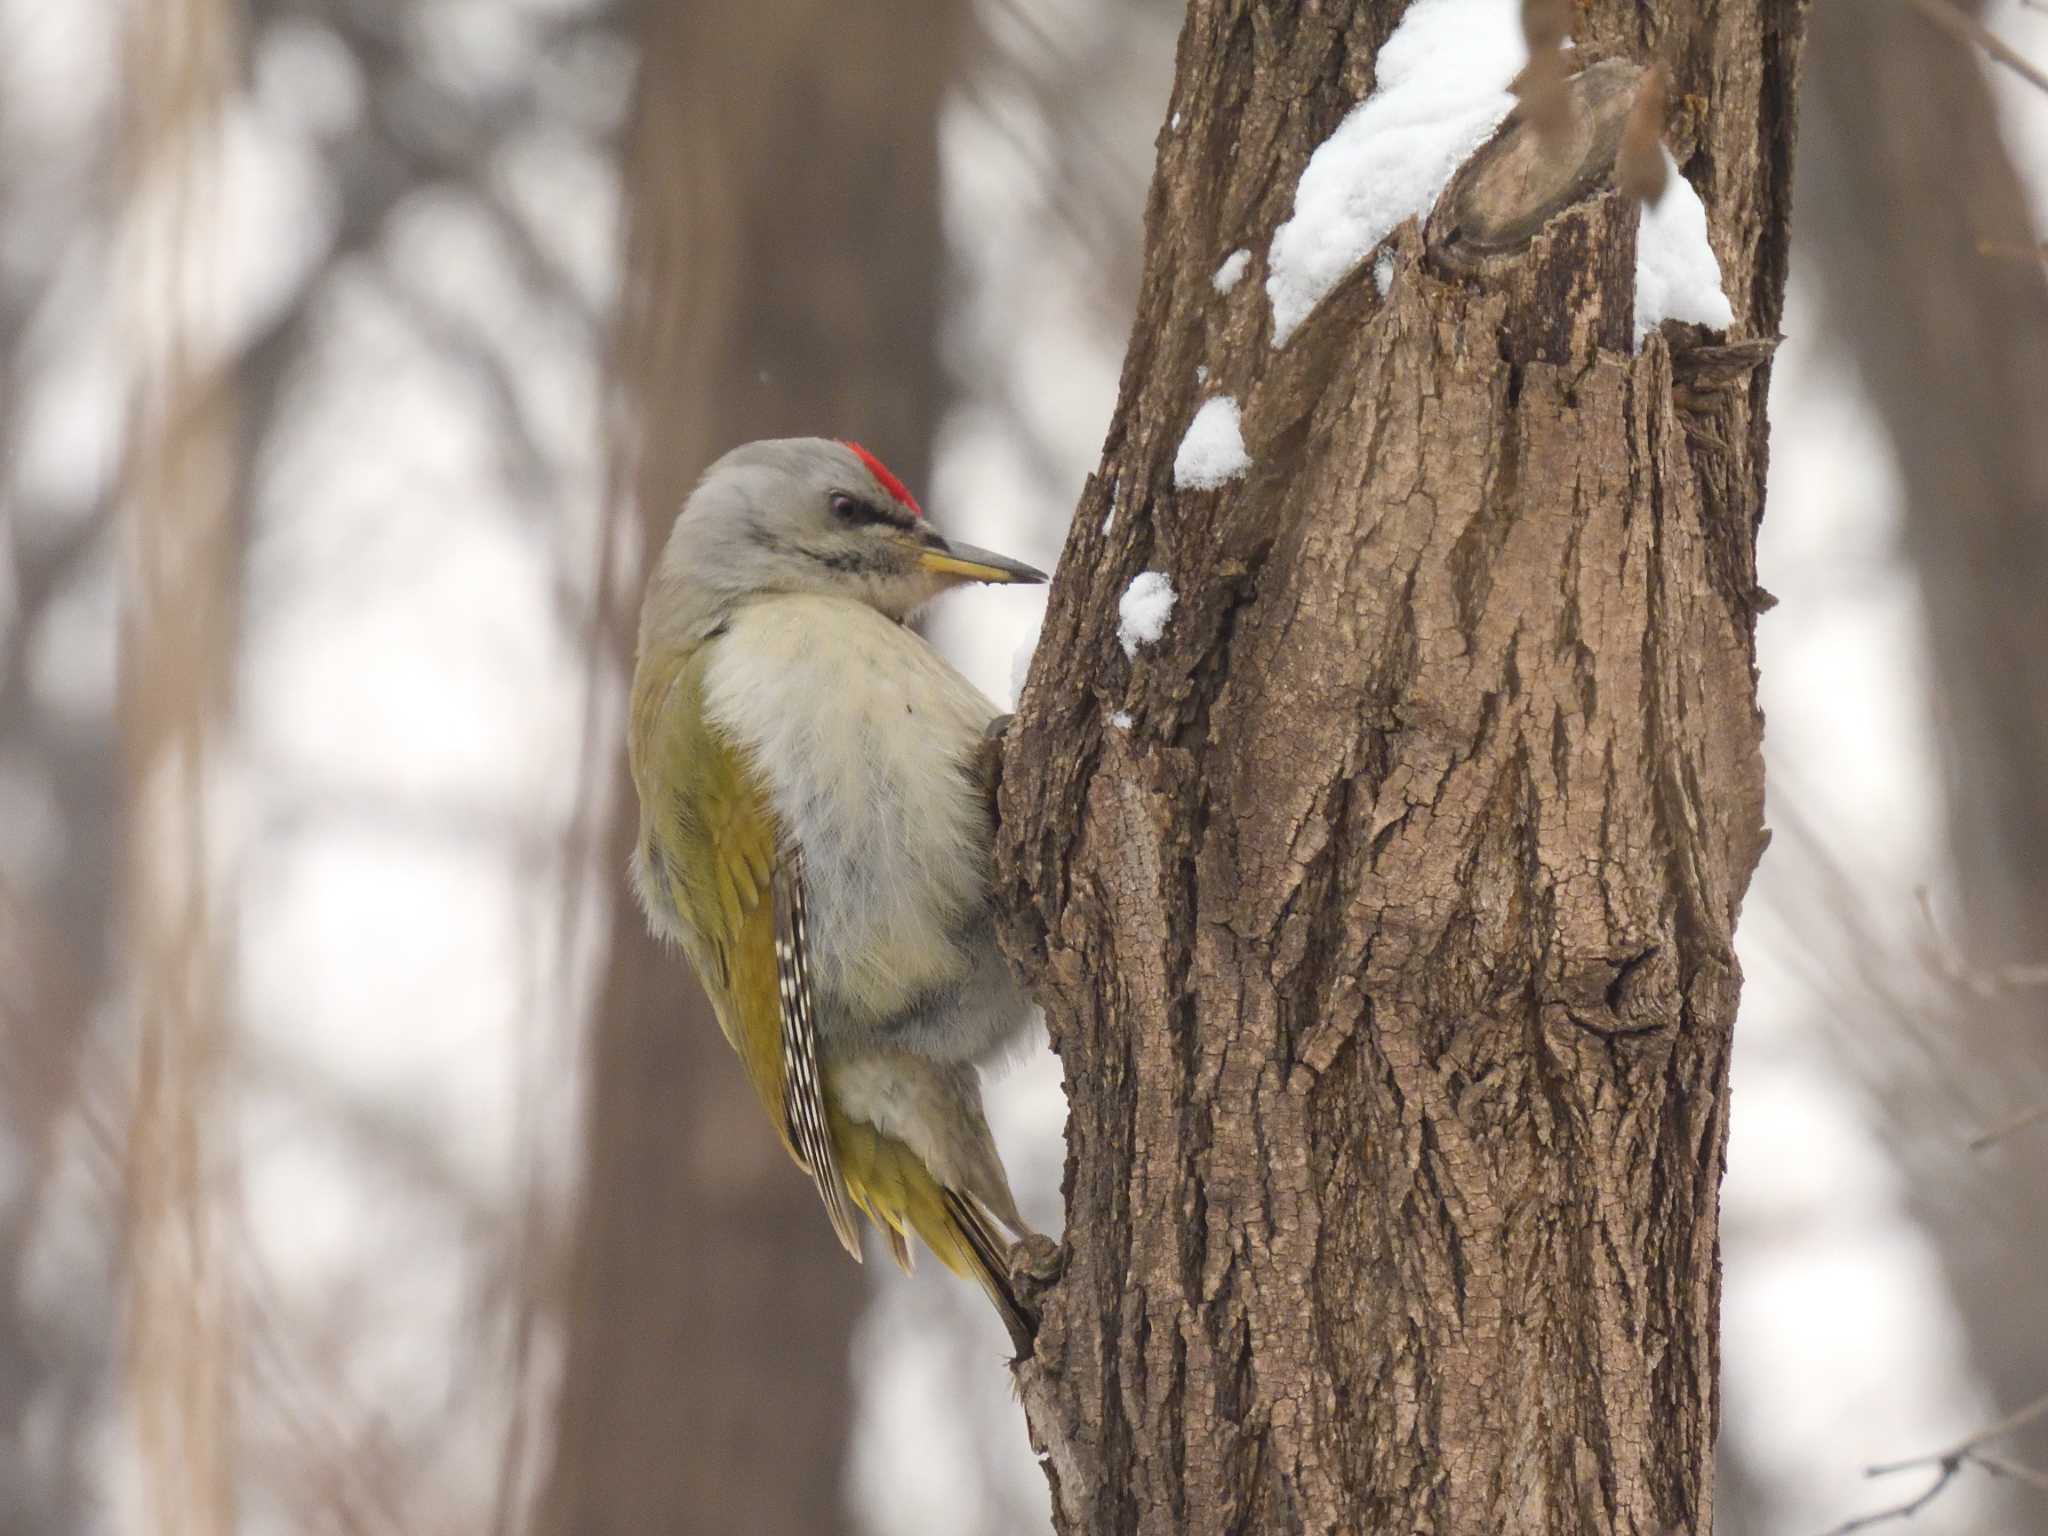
[[715, 853], [803, 1091]]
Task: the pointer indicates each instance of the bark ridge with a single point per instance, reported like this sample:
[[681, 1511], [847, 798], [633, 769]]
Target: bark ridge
[[1389, 951]]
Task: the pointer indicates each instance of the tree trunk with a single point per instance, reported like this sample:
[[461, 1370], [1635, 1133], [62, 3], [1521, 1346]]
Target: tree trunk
[[1937, 291], [180, 595], [782, 276], [1388, 951]]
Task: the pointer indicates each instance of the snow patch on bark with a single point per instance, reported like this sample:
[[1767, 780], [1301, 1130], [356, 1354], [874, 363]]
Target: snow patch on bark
[[1212, 453], [1678, 276], [1143, 610], [1442, 87]]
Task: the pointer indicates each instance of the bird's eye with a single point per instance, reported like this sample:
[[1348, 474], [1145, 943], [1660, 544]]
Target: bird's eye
[[851, 509]]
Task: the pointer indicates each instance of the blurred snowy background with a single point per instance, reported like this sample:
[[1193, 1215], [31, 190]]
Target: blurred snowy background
[[427, 312]]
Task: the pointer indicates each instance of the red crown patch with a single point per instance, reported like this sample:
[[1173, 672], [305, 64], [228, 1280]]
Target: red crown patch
[[890, 483]]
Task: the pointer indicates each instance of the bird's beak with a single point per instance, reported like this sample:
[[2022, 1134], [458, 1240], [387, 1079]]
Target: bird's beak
[[963, 562]]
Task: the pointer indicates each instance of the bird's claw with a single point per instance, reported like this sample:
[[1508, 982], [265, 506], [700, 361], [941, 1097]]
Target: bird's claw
[[1035, 1257]]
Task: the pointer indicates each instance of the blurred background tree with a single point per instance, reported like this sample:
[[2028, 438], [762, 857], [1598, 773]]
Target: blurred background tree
[[782, 272], [486, 281]]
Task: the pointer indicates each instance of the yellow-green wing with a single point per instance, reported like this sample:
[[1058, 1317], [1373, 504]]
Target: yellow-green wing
[[737, 890]]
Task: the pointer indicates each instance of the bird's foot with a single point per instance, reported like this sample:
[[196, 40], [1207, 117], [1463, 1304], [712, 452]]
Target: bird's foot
[[1035, 1261]]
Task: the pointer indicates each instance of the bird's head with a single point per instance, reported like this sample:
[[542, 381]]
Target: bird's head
[[807, 514]]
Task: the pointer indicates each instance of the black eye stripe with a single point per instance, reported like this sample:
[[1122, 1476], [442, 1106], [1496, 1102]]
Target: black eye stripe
[[851, 509]]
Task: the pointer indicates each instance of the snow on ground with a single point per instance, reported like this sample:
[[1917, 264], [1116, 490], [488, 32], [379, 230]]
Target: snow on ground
[[1212, 453], [1232, 271], [1143, 610], [1677, 275], [1121, 719], [1442, 88]]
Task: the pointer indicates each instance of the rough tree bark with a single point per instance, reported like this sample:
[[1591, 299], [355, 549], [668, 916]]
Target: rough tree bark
[[782, 276], [1388, 952]]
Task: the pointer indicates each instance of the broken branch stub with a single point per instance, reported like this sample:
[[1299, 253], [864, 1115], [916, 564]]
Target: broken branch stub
[[1525, 175]]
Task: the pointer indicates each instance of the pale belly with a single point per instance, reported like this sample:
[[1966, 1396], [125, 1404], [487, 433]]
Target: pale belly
[[868, 741]]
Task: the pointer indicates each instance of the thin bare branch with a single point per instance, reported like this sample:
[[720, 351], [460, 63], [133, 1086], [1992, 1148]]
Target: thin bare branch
[[1970, 30], [1641, 169], [2011, 1126], [1979, 980], [1904, 1511], [2019, 1472], [2013, 250], [1947, 1464]]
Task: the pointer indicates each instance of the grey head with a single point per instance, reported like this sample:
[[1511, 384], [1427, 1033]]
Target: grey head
[[806, 514]]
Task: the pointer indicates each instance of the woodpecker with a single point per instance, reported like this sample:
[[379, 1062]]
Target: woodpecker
[[815, 834]]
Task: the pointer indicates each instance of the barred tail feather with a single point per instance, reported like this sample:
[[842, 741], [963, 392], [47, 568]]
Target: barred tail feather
[[992, 1269]]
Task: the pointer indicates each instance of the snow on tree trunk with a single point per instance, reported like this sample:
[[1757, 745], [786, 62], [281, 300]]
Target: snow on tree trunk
[[1389, 951]]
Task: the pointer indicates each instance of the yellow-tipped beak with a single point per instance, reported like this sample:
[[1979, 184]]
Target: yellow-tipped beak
[[964, 562]]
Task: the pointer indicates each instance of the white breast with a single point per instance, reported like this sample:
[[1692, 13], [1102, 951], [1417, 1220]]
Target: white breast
[[867, 740]]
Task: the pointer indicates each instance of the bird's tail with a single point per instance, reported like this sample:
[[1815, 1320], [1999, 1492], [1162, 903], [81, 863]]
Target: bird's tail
[[892, 1184], [989, 1258]]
